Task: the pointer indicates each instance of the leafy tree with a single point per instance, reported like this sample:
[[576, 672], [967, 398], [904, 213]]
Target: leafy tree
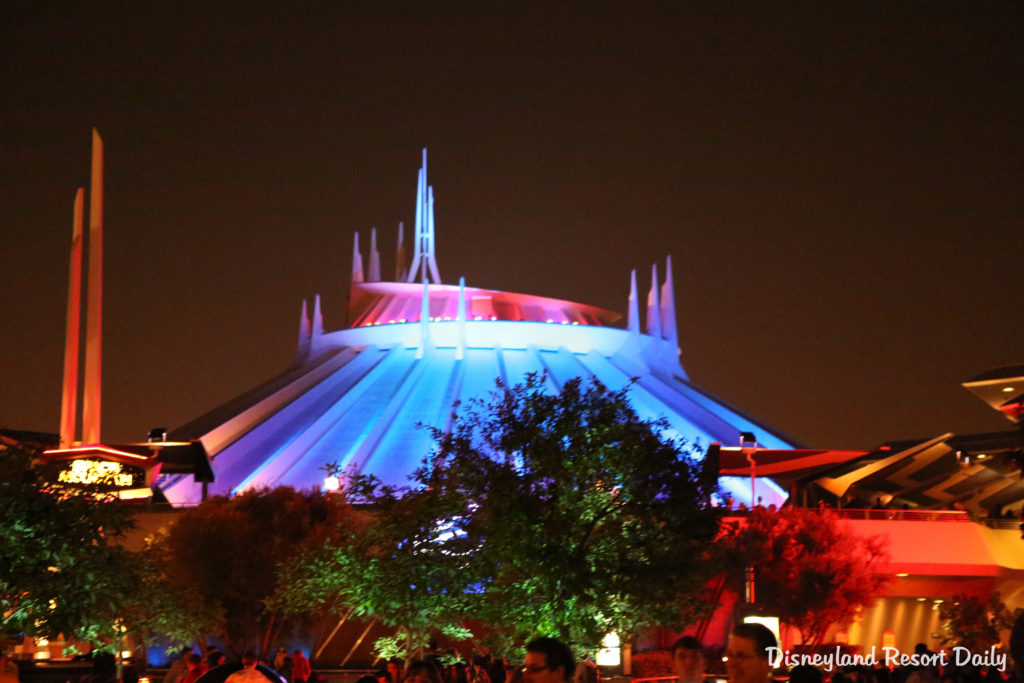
[[809, 570], [583, 517], [61, 570], [540, 512], [971, 623], [397, 561], [215, 569]]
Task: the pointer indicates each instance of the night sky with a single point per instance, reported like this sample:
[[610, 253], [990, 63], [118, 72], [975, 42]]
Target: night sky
[[840, 185]]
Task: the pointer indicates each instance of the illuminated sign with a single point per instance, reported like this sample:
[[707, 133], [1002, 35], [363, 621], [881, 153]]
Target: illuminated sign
[[99, 476], [98, 473], [106, 471]]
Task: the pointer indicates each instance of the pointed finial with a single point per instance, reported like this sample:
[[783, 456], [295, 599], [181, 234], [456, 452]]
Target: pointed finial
[[374, 274], [305, 328], [424, 263], [460, 318], [305, 334], [668, 321], [633, 320], [400, 254], [653, 308], [431, 252], [357, 262], [416, 266], [668, 306], [318, 319]]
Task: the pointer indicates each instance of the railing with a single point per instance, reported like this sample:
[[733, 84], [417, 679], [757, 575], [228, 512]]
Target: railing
[[996, 523], [708, 678], [898, 515], [932, 516], [907, 515]]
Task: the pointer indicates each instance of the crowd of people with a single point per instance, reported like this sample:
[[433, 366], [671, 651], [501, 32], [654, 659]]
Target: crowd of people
[[547, 661], [190, 666], [749, 657], [429, 669]]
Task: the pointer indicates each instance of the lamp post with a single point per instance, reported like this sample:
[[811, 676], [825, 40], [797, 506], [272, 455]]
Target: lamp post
[[748, 446]]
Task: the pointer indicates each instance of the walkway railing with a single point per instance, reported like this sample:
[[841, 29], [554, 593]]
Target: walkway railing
[[907, 515]]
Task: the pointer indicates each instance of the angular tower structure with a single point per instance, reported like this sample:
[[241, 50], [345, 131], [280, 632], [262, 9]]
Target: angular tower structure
[[414, 347], [93, 314]]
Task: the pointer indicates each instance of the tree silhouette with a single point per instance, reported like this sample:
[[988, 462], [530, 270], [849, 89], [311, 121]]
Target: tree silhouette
[[61, 568], [810, 571], [216, 568], [543, 511]]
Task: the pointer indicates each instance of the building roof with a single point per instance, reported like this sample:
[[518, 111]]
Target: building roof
[[37, 441], [977, 473], [358, 398], [176, 458], [1005, 372], [1002, 388], [414, 348]]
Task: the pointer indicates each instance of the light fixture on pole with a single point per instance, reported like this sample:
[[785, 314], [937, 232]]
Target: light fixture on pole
[[748, 446]]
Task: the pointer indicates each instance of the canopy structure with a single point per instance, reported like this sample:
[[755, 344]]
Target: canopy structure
[[976, 473], [783, 466], [1002, 388], [413, 348]]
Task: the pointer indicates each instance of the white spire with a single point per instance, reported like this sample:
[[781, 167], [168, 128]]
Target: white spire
[[653, 308], [417, 255], [668, 308], [305, 333], [318, 319], [374, 274], [460, 320], [357, 262], [424, 263], [400, 254], [431, 260], [633, 321], [668, 322]]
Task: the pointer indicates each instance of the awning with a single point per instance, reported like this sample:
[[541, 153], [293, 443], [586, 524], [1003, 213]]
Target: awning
[[782, 465]]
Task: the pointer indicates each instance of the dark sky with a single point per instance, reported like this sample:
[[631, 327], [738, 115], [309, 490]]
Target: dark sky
[[840, 185]]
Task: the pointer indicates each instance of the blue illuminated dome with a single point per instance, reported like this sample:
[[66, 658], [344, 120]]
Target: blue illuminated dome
[[414, 347]]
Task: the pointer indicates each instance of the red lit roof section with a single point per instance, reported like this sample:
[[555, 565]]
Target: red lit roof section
[[383, 303]]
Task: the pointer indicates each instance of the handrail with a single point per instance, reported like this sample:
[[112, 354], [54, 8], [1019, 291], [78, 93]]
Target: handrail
[[883, 514], [907, 515], [1000, 523]]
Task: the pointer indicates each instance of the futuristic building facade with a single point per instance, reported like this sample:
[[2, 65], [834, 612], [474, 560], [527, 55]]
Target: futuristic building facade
[[414, 347]]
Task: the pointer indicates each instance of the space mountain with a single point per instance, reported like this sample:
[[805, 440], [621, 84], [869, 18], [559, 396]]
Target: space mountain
[[413, 347]]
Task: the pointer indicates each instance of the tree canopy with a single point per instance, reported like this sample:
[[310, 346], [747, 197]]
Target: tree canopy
[[215, 569], [809, 570], [970, 622], [542, 511], [392, 558], [61, 570]]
